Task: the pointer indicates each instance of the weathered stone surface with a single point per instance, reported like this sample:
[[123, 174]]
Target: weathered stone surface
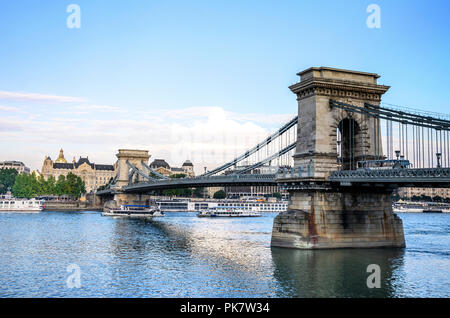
[[338, 219], [111, 204], [130, 198]]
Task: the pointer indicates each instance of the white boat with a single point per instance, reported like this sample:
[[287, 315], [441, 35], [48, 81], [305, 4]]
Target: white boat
[[228, 212], [406, 210], [10, 204], [421, 207], [136, 211], [189, 205]]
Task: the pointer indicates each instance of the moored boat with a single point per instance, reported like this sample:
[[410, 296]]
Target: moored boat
[[10, 204], [137, 211], [228, 212]]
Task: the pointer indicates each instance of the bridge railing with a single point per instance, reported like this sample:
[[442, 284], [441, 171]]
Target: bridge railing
[[390, 173]]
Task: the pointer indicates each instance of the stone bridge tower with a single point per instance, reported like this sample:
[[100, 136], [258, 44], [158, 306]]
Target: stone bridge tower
[[323, 133], [135, 157], [322, 214]]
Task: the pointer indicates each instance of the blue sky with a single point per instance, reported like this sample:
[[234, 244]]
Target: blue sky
[[158, 71]]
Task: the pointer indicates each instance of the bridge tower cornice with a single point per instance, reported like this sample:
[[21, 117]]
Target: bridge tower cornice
[[339, 84]]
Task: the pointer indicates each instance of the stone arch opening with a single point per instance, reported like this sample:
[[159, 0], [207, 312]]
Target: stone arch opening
[[348, 143]]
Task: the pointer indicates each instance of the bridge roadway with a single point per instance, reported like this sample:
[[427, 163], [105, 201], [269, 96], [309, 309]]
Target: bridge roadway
[[418, 177], [211, 181], [428, 177]]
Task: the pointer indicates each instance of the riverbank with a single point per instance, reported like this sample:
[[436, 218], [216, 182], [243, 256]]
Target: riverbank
[[71, 206]]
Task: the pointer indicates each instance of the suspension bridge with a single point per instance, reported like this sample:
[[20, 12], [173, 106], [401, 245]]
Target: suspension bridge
[[343, 140]]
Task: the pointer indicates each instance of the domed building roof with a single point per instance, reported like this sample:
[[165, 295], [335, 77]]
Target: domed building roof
[[187, 163], [158, 163], [61, 158]]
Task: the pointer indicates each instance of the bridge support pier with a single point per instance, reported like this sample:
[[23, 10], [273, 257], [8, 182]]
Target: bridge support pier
[[125, 198], [338, 218]]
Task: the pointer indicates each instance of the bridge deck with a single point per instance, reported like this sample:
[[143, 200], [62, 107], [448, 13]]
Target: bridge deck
[[238, 180], [435, 177]]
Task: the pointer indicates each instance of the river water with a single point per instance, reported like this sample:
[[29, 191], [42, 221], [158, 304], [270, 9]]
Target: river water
[[181, 255]]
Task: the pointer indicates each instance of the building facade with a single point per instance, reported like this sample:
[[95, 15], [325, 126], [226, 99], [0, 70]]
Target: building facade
[[161, 166], [94, 175], [18, 165], [408, 193], [254, 191]]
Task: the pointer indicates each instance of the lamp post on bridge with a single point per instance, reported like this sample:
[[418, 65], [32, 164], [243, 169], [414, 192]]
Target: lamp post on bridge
[[397, 154], [438, 158]]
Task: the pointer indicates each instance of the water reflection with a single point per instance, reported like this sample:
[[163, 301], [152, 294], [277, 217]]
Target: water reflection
[[335, 273], [219, 251]]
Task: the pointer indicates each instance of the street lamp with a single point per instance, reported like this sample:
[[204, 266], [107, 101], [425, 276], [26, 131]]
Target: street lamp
[[438, 157], [397, 154]]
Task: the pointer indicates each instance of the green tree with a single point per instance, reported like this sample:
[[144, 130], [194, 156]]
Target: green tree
[[219, 194], [81, 188], [51, 184], [60, 185], [198, 192], [29, 186], [277, 195], [177, 192], [178, 175], [7, 179], [71, 184], [44, 186], [425, 198], [20, 188], [26, 186], [74, 186]]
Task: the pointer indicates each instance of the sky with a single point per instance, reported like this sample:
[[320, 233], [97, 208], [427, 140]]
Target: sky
[[197, 80]]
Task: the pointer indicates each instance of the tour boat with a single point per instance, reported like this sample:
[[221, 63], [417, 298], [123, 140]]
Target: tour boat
[[228, 212], [404, 209], [9, 204], [137, 211], [189, 205]]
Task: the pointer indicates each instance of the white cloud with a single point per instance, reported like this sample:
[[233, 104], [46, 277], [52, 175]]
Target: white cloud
[[208, 136], [9, 109], [30, 97], [100, 108]]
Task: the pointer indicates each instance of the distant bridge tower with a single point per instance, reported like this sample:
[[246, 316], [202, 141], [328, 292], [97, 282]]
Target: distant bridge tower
[[134, 157], [326, 135], [130, 168], [326, 215]]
